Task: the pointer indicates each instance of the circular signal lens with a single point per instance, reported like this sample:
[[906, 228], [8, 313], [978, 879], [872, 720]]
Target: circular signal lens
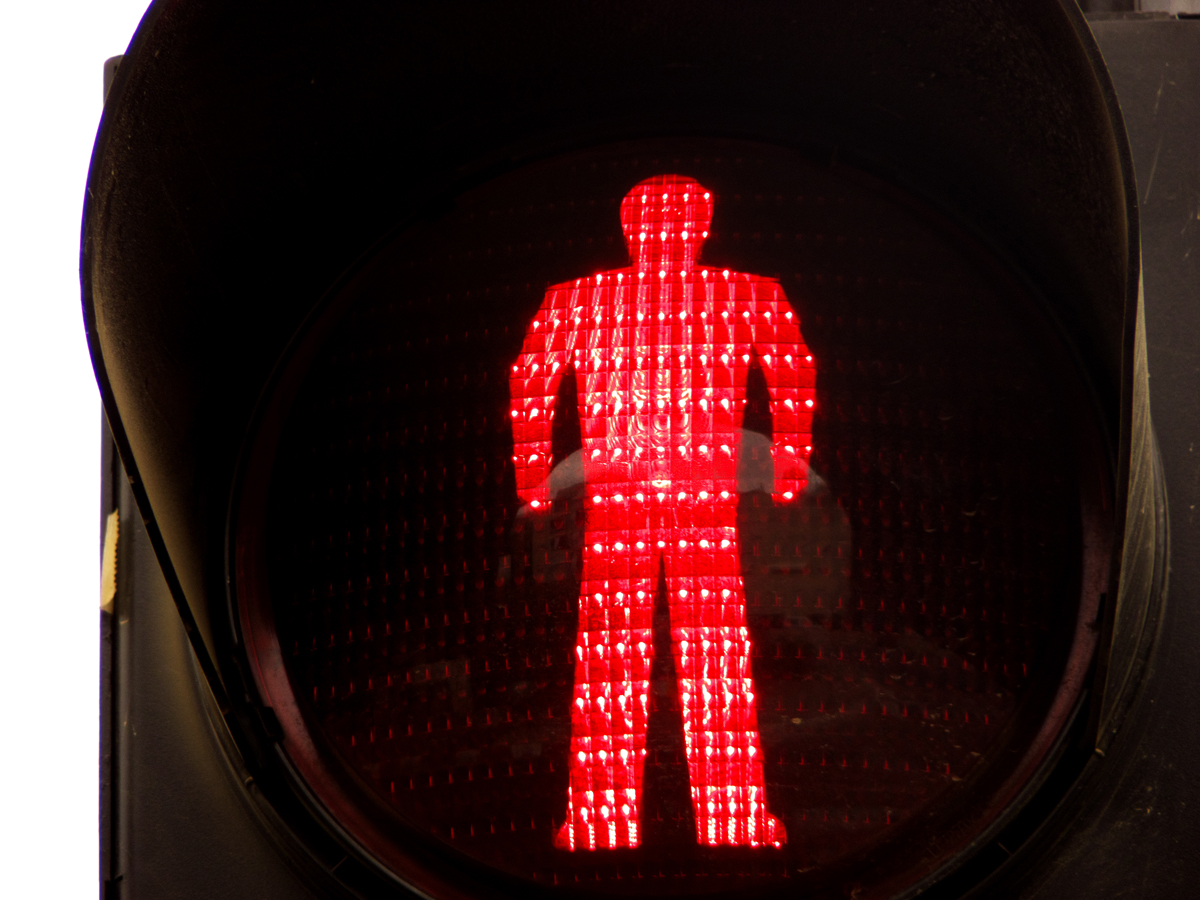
[[675, 519]]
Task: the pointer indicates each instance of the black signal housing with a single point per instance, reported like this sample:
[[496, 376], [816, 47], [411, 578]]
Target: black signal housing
[[305, 144]]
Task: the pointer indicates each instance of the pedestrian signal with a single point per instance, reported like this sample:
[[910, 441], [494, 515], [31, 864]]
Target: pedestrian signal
[[659, 355]]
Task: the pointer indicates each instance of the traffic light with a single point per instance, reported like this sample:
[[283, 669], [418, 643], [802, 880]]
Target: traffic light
[[616, 450]]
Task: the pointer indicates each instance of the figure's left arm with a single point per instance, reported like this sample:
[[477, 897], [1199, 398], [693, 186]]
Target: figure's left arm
[[791, 376]]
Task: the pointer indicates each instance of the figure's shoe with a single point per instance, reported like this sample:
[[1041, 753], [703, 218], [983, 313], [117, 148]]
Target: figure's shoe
[[562, 840], [776, 833]]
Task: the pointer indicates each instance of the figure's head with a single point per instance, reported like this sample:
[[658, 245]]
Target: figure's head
[[665, 219]]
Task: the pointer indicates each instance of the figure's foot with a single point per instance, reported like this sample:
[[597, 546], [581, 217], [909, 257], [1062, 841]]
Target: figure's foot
[[776, 834], [743, 833], [562, 840]]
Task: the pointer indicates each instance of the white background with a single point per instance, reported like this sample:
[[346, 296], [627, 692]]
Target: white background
[[51, 63]]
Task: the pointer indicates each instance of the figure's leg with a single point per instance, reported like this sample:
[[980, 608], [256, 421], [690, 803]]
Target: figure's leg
[[612, 680], [716, 691]]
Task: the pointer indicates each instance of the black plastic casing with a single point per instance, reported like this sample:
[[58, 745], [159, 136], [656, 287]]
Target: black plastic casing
[[248, 157]]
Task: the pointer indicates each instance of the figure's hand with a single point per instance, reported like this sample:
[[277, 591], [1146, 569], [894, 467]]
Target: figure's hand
[[791, 476], [532, 501], [565, 475]]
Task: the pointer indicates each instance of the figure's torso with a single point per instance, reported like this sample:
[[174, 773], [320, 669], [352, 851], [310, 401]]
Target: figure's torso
[[662, 362]]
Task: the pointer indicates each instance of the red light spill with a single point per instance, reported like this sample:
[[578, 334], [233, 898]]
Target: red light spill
[[662, 351]]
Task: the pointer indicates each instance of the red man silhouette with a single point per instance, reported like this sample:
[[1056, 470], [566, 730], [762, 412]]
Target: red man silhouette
[[661, 352]]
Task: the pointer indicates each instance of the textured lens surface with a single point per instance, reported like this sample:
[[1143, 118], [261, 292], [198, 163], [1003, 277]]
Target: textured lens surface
[[907, 599]]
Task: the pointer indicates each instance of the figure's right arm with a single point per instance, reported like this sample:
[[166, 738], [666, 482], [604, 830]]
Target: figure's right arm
[[791, 376], [533, 385]]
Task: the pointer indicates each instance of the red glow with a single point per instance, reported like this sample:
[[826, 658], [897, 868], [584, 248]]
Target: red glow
[[662, 351]]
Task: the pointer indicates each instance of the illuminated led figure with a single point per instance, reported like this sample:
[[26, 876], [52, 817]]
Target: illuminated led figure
[[661, 352]]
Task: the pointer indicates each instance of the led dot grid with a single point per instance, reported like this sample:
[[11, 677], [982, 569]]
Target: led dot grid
[[661, 353], [893, 612]]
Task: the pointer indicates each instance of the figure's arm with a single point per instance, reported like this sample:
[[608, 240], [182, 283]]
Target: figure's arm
[[533, 384], [791, 377]]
